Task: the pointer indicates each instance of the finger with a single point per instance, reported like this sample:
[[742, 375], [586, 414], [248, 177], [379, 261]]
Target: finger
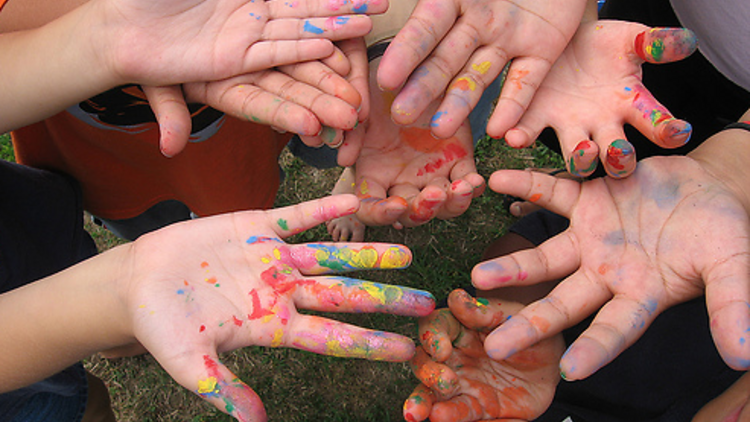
[[436, 376], [376, 209], [655, 122], [172, 114], [424, 30], [352, 145], [620, 159], [340, 294], [478, 314], [264, 55], [333, 338], [481, 404], [419, 404], [325, 79], [337, 61], [583, 159], [555, 194], [569, 303], [239, 97], [426, 204], [728, 303], [665, 45], [298, 218], [210, 379], [437, 332], [465, 91], [616, 327], [359, 76], [286, 9], [524, 77], [458, 201], [333, 28], [326, 258]]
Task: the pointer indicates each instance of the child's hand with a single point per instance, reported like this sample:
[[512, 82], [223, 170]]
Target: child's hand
[[595, 88], [460, 383], [406, 177], [669, 233], [458, 47], [216, 284], [208, 40]]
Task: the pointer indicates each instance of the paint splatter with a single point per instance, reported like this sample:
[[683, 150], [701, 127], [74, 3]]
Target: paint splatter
[[283, 224], [482, 68], [312, 28]]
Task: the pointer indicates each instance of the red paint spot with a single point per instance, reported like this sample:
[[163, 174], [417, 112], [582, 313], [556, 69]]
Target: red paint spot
[[258, 311], [535, 197], [202, 329], [451, 152], [204, 264], [238, 322], [603, 269]]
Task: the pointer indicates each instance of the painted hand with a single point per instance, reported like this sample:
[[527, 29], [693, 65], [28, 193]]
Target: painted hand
[[460, 383], [669, 233], [463, 45], [313, 99], [217, 284], [406, 177], [209, 40], [595, 88]]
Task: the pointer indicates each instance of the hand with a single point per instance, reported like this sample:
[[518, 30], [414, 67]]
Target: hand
[[669, 233], [207, 40], [463, 45], [406, 177], [595, 87], [311, 99], [216, 284], [460, 383]]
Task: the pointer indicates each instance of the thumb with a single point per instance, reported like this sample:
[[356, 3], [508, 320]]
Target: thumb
[[173, 116], [206, 376]]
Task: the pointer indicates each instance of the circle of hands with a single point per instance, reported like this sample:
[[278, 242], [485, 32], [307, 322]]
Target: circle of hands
[[230, 281], [667, 234], [461, 383]]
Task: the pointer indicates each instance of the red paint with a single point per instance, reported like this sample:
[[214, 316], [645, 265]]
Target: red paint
[[451, 151], [202, 329], [258, 311], [238, 322]]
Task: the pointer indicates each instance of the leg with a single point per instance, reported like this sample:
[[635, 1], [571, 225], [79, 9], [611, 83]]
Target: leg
[[348, 227]]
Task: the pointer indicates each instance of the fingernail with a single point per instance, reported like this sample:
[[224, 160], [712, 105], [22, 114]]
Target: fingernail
[[675, 133]]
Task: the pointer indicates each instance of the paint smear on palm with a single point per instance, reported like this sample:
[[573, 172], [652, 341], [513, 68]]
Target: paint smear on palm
[[445, 151], [334, 339], [664, 45], [239, 400]]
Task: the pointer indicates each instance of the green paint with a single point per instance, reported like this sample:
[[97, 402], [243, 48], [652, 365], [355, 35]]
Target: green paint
[[283, 224]]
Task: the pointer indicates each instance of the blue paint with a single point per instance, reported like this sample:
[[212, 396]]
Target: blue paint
[[438, 115], [312, 28], [261, 239]]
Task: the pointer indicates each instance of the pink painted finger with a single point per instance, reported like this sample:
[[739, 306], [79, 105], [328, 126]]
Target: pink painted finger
[[558, 195], [212, 381], [665, 45], [437, 332], [425, 206], [297, 218], [656, 122], [171, 111], [620, 160], [436, 376], [569, 303], [333, 338], [419, 404], [340, 294], [377, 211], [327, 258]]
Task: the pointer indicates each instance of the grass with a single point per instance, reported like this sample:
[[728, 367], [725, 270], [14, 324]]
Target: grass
[[297, 386]]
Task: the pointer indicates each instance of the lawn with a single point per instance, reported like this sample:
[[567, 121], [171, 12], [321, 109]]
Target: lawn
[[298, 386]]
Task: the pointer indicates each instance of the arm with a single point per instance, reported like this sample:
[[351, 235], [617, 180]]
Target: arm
[[102, 44], [196, 289]]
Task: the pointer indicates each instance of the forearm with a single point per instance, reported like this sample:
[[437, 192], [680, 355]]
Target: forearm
[[49, 68], [726, 155], [57, 321]]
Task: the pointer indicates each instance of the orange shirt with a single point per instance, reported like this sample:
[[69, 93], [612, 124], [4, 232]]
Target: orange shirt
[[110, 145]]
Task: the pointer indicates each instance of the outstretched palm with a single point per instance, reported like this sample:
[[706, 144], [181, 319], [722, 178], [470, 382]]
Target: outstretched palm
[[635, 247]]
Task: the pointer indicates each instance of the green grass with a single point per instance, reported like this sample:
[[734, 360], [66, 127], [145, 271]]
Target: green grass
[[297, 386], [6, 148]]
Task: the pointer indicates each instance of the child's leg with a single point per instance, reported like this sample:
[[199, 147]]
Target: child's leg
[[347, 228]]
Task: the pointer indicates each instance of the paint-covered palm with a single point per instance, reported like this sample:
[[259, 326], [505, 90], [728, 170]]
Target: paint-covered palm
[[595, 88], [669, 233], [406, 177], [220, 283], [460, 383], [458, 47]]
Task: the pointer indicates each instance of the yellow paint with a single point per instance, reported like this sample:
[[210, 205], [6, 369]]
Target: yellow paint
[[465, 84], [276, 253], [394, 258], [277, 337], [207, 386], [265, 260], [363, 188], [482, 68], [366, 258]]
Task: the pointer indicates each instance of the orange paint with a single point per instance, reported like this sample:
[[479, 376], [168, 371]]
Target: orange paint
[[535, 197], [204, 264], [420, 139], [603, 269], [541, 323]]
